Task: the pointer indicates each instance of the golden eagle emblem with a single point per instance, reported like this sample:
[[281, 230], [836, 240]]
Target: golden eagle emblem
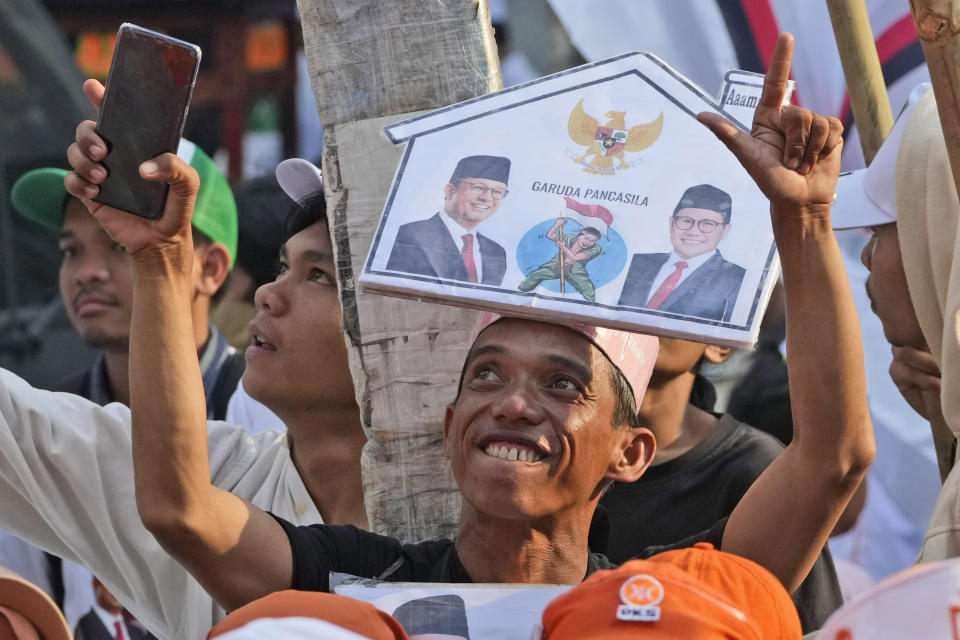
[[610, 141]]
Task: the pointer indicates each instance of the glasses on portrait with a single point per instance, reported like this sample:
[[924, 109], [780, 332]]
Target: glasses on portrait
[[705, 226], [477, 190]]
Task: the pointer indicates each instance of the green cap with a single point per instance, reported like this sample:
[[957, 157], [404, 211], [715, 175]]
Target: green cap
[[40, 196]]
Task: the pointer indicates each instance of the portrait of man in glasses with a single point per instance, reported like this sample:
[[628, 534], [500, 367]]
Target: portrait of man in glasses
[[694, 279], [449, 245]]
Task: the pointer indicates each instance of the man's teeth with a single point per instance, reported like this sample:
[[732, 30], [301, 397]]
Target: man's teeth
[[511, 453]]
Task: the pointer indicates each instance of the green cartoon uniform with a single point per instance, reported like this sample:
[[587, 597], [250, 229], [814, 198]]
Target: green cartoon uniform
[[575, 274]]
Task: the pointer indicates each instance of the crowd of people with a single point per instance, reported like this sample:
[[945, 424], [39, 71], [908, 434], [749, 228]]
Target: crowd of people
[[584, 455]]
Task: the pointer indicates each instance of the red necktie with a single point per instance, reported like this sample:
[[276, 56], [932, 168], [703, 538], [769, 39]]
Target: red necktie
[[119, 628], [667, 287], [467, 253]]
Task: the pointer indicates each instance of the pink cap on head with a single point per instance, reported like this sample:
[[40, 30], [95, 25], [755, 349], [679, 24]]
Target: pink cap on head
[[634, 354]]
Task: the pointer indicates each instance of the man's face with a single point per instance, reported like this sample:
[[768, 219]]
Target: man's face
[[531, 434], [887, 287], [297, 359], [587, 240], [700, 237], [95, 280], [473, 200]]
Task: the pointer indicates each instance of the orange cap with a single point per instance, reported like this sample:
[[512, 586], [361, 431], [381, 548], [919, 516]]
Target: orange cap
[[697, 593], [352, 615]]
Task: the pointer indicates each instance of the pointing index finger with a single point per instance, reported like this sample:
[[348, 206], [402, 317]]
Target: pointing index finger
[[778, 75]]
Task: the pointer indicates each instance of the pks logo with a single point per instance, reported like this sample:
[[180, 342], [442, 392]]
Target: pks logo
[[640, 596], [609, 142]]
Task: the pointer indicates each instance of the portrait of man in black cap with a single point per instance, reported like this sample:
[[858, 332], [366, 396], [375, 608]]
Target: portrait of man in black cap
[[434, 618], [448, 245], [693, 279]]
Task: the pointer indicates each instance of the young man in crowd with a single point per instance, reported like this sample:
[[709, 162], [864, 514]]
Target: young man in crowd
[[66, 481], [547, 391], [97, 290], [704, 464]]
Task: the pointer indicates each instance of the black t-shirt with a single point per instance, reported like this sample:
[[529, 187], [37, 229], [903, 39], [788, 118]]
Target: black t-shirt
[[686, 494], [319, 549]]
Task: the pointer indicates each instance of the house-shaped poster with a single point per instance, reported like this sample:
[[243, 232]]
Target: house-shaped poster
[[592, 195]]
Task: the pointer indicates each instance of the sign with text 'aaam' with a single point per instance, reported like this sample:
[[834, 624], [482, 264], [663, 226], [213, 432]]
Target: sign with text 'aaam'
[[592, 195]]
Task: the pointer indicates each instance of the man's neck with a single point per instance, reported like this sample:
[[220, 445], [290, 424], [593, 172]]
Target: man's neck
[[518, 551], [200, 312], [677, 424], [325, 444], [117, 364]]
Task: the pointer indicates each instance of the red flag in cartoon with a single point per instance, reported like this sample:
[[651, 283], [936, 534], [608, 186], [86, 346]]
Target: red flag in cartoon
[[589, 215]]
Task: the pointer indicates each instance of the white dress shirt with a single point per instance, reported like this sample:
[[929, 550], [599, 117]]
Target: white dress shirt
[[457, 232], [671, 265]]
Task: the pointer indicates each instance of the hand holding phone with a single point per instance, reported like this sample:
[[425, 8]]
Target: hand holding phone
[[144, 108]]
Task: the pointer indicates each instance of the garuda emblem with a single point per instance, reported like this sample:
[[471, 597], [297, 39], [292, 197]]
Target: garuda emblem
[[610, 141]]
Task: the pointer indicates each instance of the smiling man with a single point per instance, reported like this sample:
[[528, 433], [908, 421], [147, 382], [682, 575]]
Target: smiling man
[[559, 395], [448, 245], [694, 279]]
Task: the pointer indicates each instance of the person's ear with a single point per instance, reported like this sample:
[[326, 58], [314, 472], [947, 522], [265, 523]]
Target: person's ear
[[448, 191], [633, 455], [726, 230], [715, 354], [212, 267]]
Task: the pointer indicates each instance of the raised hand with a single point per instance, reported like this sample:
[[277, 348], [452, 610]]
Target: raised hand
[[136, 234], [791, 153], [915, 371]]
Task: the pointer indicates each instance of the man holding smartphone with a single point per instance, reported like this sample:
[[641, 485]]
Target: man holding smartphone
[[97, 292]]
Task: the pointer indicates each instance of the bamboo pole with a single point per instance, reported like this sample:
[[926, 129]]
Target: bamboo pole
[[372, 63], [861, 67], [938, 23]]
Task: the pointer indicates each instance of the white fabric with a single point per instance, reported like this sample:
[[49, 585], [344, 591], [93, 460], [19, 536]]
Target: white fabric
[[253, 415], [66, 485], [670, 266], [290, 629]]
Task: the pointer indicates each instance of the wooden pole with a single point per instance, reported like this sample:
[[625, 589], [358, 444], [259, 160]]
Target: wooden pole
[[861, 67], [374, 62], [938, 23], [563, 288]]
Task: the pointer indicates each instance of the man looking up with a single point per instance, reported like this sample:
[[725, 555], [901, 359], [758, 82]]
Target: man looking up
[[694, 279], [97, 290], [545, 390], [448, 245]]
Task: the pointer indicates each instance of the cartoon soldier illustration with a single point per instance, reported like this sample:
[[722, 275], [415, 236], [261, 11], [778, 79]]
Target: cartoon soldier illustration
[[575, 251]]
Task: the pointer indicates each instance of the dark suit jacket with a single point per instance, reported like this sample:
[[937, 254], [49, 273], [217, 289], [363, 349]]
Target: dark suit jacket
[[425, 247], [90, 627], [709, 292]]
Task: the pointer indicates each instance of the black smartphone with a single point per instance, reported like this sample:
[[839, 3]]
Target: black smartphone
[[144, 108]]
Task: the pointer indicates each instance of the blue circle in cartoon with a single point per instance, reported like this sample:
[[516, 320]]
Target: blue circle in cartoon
[[539, 258]]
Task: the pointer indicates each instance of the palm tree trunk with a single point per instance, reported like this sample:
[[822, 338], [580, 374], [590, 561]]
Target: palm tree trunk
[[374, 62]]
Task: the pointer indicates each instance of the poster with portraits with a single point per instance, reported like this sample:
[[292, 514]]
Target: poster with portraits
[[459, 611], [593, 195]]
